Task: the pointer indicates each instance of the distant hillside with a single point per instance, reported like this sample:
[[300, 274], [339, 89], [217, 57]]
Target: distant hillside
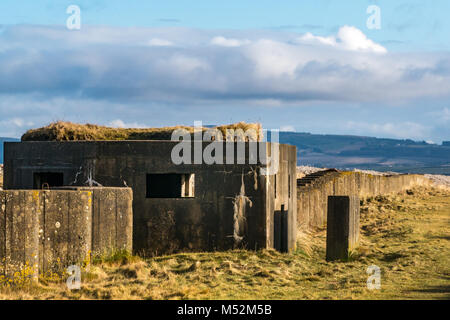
[[1, 146], [340, 151]]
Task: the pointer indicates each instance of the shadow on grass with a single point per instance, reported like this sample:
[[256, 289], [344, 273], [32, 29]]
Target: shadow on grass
[[389, 257], [445, 237], [436, 289]]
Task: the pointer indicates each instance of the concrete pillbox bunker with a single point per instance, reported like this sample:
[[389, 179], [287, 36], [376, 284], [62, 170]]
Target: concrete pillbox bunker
[[185, 207]]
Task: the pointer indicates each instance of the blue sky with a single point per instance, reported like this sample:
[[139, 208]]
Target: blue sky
[[296, 65], [406, 25]]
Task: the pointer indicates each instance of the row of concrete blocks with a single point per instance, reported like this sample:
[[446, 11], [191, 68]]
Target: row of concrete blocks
[[312, 199], [44, 232]]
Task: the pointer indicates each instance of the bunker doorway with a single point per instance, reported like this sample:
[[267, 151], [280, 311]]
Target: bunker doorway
[[43, 180], [280, 230]]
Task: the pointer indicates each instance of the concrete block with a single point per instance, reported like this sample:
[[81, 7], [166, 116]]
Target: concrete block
[[112, 220], [34, 213], [300, 216], [21, 233], [66, 230], [342, 226], [104, 221], [303, 206], [80, 222], [124, 219], [322, 206], [55, 235]]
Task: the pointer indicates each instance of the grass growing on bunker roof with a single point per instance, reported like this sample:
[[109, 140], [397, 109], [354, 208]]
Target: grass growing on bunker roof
[[407, 235], [68, 131]]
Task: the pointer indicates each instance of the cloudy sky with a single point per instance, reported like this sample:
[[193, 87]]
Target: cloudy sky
[[309, 66]]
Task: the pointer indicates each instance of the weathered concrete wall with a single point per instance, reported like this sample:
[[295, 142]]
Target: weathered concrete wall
[[312, 199], [232, 206], [48, 230]]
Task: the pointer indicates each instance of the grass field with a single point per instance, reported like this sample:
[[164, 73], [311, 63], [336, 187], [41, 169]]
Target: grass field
[[406, 236]]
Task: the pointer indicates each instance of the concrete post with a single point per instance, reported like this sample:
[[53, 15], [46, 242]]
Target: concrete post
[[281, 229], [342, 226], [277, 230], [284, 230]]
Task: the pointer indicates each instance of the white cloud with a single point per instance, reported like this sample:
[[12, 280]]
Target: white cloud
[[224, 42], [402, 130], [274, 59], [11, 127], [309, 37], [121, 124], [347, 38], [186, 64], [16, 122], [441, 116], [159, 42], [445, 114], [54, 74], [354, 39], [287, 128]]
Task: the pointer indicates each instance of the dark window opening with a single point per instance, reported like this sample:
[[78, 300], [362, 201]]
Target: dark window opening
[[44, 180], [170, 185]]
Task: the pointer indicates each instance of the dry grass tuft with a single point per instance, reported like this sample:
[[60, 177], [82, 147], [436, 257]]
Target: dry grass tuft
[[119, 257], [68, 131]]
